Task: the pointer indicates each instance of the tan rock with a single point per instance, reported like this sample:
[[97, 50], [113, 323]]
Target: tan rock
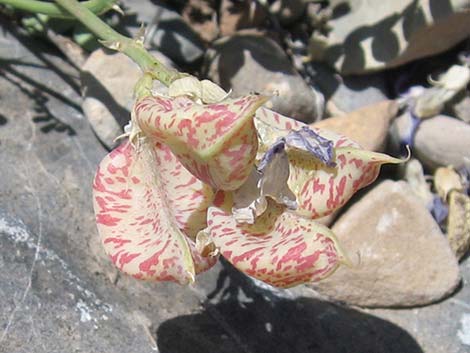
[[107, 87], [237, 15], [458, 223], [402, 258], [368, 126], [202, 17]]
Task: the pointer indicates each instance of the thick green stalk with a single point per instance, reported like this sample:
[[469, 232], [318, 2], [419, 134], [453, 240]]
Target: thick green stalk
[[132, 48], [50, 9]]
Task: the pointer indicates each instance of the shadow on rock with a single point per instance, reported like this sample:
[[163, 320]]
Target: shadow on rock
[[233, 53], [240, 316], [42, 114], [3, 120]]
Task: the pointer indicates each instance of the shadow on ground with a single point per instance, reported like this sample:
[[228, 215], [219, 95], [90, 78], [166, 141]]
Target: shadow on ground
[[241, 317]]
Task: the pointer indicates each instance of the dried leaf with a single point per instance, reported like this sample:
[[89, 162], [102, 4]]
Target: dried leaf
[[431, 101], [414, 175], [447, 179], [458, 223]]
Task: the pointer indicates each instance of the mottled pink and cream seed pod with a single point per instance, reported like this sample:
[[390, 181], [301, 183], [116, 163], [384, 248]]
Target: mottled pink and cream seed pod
[[216, 142], [148, 210], [280, 248], [152, 200], [321, 190]]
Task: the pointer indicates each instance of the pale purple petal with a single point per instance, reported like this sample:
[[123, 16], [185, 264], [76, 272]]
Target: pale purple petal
[[308, 140]]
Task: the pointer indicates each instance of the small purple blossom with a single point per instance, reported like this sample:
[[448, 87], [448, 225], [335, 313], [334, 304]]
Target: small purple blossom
[[409, 136], [278, 147], [439, 210]]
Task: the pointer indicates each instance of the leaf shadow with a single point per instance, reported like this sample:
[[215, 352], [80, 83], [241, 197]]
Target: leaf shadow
[[232, 56], [3, 120], [384, 43], [95, 89], [42, 114], [43, 57], [41, 51], [166, 31]]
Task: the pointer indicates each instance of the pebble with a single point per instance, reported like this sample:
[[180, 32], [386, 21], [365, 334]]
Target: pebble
[[400, 130], [400, 256], [248, 63], [442, 141], [367, 126], [458, 223], [349, 93]]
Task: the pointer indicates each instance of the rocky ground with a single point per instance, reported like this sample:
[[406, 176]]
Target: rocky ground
[[408, 232]]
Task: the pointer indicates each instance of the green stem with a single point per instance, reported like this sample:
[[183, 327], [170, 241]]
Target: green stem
[[132, 48], [52, 10]]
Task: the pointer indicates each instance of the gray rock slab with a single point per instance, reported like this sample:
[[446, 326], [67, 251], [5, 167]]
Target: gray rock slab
[[58, 291], [262, 319]]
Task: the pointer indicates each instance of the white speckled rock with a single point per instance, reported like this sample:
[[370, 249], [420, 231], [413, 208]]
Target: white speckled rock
[[404, 260]]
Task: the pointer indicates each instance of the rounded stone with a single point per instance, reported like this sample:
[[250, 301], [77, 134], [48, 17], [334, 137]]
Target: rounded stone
[[400, 257], [247, 63], [442, 141]]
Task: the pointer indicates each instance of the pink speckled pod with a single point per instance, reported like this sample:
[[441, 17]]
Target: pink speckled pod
[[320, 190], [151, 202], [280, 248], [148, 210], [216, 142]]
